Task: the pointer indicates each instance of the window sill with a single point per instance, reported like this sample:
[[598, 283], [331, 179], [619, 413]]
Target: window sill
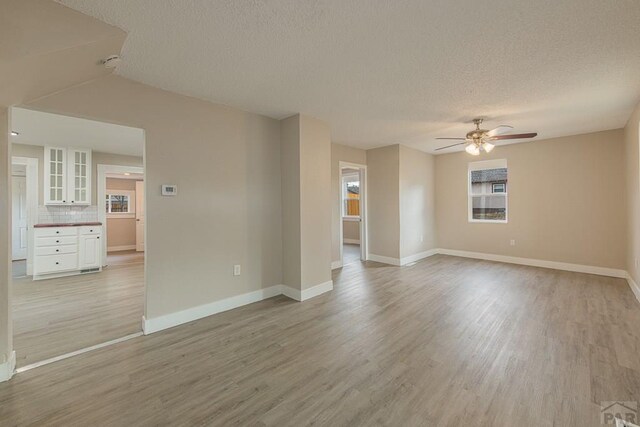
[[351, 218], [489, 221]]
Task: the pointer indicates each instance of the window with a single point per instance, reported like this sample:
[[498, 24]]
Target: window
[[488, 191], [119, 202], [351, 196], [499, 188]]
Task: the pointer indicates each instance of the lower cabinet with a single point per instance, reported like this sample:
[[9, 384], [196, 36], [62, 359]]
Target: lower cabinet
[[60, 251]]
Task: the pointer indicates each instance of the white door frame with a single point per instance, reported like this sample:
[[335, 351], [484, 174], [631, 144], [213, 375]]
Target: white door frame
[[364, 230], [32, 202], [103, 171]]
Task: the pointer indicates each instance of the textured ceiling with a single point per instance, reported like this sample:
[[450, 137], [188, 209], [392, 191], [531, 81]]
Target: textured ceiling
[[39, 128], [382, 72]]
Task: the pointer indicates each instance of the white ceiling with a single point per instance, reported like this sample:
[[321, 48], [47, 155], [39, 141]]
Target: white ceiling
[[383, 72], [38, 128]]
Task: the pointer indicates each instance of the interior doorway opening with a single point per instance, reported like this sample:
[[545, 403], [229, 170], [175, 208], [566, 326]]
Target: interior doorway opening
[[353, 221], [66, 298]]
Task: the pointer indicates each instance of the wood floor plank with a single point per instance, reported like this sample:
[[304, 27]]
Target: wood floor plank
[[57, 316], [447, 341]]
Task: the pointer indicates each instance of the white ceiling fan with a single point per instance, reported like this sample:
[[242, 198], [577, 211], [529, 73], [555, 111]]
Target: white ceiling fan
[[479, 140]]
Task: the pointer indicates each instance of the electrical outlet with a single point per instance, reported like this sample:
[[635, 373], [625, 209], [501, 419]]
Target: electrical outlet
[[236, 270], [512, 242]]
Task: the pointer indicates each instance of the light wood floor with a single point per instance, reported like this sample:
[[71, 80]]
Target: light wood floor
[[350, 253], [447, 341], [57, 316]]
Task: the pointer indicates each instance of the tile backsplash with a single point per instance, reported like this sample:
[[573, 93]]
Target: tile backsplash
[[67, 214]]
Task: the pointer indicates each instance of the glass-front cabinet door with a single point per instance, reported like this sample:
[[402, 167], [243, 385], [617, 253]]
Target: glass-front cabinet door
[[55, 175], [79, 176]]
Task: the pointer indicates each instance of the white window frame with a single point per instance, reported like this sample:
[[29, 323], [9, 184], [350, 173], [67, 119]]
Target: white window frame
[[504, 187], [345, 179], [484, 165], [131, 204]]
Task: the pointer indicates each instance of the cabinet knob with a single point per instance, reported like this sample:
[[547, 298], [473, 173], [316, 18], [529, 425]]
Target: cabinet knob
[[98, 237], [64, 201], [57, 241], [57, 250], [57, 263], [90, 231], [72, 201], [57, 232]]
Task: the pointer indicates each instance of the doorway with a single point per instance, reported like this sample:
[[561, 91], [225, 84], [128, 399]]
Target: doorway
[[353, 221], [65, 298]]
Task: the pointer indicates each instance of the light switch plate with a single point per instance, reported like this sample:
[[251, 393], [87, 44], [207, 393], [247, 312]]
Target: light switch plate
[[169, 189]]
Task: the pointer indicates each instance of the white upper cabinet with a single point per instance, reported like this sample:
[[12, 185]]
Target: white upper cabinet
[[67, 176], [79, 183], [55, 175]]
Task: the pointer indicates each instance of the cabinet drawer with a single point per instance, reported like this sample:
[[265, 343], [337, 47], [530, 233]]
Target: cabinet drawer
[[56, 250], [54, 263], [55, 231], [91, 229], [56, 241]]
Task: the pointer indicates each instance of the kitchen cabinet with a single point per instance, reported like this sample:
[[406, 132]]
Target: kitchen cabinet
[[65, 250], [67, 176]]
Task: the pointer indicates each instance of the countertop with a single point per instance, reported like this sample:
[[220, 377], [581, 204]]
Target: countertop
[[68, 224]]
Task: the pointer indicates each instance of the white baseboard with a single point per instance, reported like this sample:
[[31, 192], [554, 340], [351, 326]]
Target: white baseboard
[[579, 268], [384, 259], [351, 241], [8, 367], [121, 248], [308, 293], [634, 286], [403, 261], [336, 264], [167, 321], [418, 256]]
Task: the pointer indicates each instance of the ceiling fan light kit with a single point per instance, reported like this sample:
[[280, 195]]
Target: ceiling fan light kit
[[478, 139]]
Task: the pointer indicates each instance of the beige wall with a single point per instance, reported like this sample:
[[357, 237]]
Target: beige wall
[[566, 201], [351, 230], [315, 201], [417, 202], [226, 164], [290, 169], [632, 158], [121, 231], [97, 158], [383, 199], [306, 201], [340, 153]]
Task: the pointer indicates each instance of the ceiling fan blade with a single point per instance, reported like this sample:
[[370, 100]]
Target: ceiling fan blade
[[513, 136], [499, 130], [449, 146], [457, 139]]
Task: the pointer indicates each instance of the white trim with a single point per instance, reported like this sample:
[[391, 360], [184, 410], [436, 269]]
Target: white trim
[[634, 286], [170, 320], [417, 257], [8, 368], [364, 229], [351, 241], [384, 259], [336, 264], [308, 293], [579, 268], [101, 187], [77, 352], [32, 202], [121, 248]]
